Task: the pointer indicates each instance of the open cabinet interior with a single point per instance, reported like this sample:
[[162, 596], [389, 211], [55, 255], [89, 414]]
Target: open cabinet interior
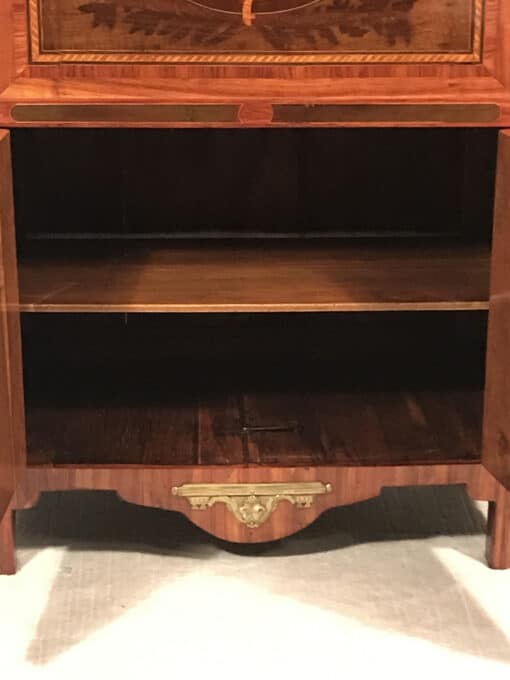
[[251, 285], [302, 389], [254, 297]]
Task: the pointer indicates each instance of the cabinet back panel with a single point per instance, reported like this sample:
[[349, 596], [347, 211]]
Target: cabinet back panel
[[366, 349], [171, 183]]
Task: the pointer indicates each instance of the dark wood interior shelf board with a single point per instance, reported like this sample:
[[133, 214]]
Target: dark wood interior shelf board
[[271, 276], [35, 464], [340, 429]]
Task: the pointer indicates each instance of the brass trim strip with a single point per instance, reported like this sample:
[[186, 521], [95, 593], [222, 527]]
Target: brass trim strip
[[125, 113], [386, 113], [282, 113], [251, 504]]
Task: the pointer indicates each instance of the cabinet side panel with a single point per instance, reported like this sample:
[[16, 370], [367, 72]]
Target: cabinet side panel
[[496, 449], [12, 431]]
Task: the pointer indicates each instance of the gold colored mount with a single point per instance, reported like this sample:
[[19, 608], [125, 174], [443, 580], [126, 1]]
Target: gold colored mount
[[251, 504]]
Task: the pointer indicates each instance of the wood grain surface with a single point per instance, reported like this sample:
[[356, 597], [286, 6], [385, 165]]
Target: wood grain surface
[[275, 429], [132, 79], [279, 389], [136, 431], [153, 487], [12, 427], [11, 383], [7, 543], [266, 277], [259, 31], [496, 448], [299, 182], [498, 540]]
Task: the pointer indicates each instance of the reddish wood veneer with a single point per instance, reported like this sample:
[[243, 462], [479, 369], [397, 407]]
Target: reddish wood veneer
[[84, 81], [7, 543], [498, 541], [12, 428], [497, 397], [153, 486], [200, 277]]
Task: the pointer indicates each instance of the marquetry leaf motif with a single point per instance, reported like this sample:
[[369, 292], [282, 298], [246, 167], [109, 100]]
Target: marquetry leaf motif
[[273, 26], [178, 23], [104, 14], [324, 19]]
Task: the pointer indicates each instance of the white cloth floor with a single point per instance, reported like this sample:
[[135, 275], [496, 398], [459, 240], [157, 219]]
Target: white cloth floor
[[395, 587]]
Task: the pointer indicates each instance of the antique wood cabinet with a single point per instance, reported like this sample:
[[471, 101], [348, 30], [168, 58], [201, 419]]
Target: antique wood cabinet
[[302, 300], [257, 61]]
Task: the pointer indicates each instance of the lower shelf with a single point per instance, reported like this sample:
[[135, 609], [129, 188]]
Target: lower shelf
[[266, 391], [261, 428], [252, 451]]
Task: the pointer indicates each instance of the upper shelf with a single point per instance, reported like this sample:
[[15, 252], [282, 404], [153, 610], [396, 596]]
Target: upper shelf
[[270, 276]]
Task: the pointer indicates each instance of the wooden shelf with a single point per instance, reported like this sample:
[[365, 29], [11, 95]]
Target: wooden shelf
[[264, 414], [271, 276], [339, 428]]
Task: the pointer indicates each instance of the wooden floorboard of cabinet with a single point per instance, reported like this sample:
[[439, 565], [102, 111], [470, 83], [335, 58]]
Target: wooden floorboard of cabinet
[[269, 429]]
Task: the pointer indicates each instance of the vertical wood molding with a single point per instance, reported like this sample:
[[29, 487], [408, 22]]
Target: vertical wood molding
[[496, 440], [498, 538], [6, 44], [7, 544], [12, 448]]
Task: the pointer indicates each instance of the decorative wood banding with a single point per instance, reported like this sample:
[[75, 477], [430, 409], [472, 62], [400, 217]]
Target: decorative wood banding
[[255, 114]]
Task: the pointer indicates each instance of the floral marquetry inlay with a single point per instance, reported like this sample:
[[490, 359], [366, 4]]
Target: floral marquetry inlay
[[256, 31]]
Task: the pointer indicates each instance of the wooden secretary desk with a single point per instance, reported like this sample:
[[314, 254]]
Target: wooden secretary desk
[[255, 256]]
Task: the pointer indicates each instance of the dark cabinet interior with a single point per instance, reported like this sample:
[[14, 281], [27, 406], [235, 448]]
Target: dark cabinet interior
[[269, 250]]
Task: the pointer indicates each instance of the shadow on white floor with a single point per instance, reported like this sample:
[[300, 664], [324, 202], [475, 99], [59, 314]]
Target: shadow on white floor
[[396, 582]]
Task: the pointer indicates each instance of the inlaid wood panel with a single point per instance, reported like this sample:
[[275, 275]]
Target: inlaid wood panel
[[257, 31], [444, 62]]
